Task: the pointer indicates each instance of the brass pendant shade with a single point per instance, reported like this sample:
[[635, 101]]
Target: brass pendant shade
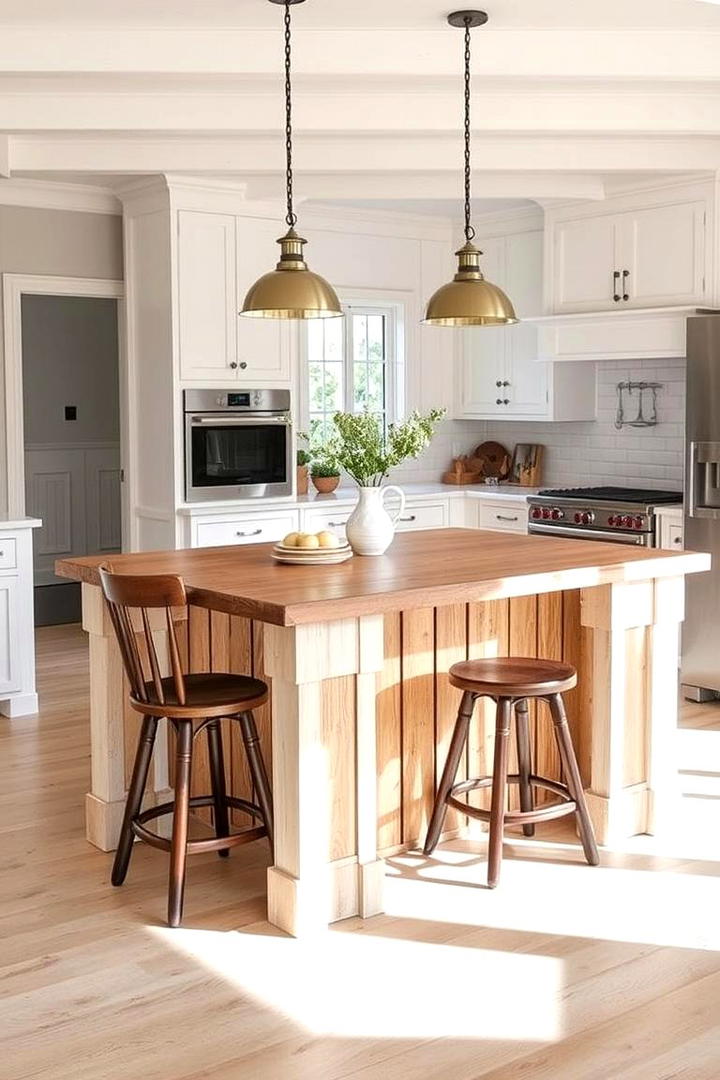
[[291, 290], [469, 299]]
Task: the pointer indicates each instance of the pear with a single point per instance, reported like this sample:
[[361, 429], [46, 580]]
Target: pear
[[308, 541], [292, 539], [328, 539]]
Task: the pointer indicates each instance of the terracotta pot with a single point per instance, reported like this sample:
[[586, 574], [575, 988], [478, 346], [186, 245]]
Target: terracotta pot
[[325, 484], [302, 479]]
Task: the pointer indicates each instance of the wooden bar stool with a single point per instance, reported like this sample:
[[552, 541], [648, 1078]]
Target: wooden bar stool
[[510, 681], [192, 704]]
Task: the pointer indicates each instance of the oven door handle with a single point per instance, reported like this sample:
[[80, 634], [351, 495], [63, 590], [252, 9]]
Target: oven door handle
[[589, 534], [236, 421]]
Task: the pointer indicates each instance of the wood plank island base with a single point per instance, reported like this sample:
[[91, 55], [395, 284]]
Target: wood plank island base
[[361, 710]]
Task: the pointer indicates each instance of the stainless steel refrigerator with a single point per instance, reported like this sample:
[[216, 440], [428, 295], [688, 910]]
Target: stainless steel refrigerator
[[701, 630]]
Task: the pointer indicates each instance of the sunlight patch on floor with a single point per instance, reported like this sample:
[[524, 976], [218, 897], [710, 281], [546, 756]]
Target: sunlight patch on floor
[[657, 906], [360, 986]]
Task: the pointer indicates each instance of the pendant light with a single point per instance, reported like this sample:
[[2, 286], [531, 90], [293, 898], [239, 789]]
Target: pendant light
[[469, 300], [290, 291]]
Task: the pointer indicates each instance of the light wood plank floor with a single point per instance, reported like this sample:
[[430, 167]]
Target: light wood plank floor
[[563, 972]]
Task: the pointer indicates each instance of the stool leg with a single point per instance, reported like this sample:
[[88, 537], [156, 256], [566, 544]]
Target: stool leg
[[522, 732], [499, 787], [263, 791], [178, 846], [572, 775], [217, 782], [136, 791], [457, 745]]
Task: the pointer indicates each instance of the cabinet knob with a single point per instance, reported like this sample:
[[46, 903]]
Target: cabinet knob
[[498, 383], [233, 364], [506, 401], [243, 365], [498, 401], [506, 383]]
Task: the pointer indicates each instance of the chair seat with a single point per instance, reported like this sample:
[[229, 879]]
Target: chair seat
[[207, 694], [512, 676]]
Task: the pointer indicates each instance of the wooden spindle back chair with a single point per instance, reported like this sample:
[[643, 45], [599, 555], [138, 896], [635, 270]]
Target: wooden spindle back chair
[[192, 703]]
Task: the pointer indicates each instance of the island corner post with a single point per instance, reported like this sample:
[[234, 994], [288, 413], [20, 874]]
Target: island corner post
[[362, 712]]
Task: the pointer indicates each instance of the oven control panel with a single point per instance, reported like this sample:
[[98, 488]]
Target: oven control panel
[[577, 515]]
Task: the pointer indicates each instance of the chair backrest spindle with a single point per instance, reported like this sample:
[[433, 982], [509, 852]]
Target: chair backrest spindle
[[124, 593]]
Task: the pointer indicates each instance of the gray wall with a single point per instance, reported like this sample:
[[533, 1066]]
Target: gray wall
[[60, 242], [70, 357]]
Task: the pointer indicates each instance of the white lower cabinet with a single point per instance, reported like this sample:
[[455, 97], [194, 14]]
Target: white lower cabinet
[[671, 532], [415, 516], [506, 515], [245, 528], [17, 642]]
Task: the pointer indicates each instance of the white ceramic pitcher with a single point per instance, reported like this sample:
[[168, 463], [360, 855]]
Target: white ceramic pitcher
[[370, 528]]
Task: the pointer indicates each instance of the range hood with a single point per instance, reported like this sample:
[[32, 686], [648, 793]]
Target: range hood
[[633, 334]]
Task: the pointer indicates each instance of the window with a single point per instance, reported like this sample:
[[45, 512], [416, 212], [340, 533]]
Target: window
[[352, 366]]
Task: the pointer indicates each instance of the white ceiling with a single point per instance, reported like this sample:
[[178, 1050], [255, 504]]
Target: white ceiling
[[338, 14]]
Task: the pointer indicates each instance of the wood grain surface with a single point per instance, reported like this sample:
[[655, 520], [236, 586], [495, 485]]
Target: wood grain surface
[[432, 568]]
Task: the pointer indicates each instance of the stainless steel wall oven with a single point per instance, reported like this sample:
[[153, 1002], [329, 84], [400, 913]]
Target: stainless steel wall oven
[[238, 444]]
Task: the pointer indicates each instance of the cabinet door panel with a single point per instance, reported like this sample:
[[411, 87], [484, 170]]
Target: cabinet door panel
[[663, 247], [206, 295], [262, 344], [528, 391], [585, 258], [483, 349], [9, 636]]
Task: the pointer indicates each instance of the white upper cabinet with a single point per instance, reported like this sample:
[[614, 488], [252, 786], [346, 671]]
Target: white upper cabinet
[[665, 254], [206, 296], [498, 375], [219, 257], [652, 256]]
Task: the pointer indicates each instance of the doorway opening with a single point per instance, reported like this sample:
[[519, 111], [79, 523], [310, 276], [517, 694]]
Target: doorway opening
[[65, 423]]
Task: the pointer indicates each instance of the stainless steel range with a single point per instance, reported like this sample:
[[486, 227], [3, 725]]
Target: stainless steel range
[[614, 514]]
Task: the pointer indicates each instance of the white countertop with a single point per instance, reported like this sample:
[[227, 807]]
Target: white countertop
[[346, 495], [12, 524]]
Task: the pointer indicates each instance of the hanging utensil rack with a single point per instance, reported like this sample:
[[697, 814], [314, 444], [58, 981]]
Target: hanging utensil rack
[[646, 410]]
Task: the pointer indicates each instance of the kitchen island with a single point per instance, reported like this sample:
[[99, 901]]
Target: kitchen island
[[361, 713]]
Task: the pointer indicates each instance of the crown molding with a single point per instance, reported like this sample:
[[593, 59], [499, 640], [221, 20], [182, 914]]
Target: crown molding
[[50, 195]]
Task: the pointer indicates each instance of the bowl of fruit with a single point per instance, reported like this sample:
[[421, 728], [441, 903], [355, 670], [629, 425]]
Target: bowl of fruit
[[312, 549]]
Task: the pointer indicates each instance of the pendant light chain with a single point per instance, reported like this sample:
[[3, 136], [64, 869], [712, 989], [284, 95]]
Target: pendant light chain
[[469, 231], [291, 216]]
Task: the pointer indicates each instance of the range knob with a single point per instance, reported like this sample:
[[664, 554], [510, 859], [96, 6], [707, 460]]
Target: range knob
[[587, 517], [638, 522], [578, 518], [612, 520], [537, 513], [628, 521], [557, 514], [546, 512]]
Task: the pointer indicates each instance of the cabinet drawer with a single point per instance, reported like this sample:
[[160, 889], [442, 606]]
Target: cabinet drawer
[[316, 520], [673, 536], [424, 516], [8, 553], [503, 517], [250, 530]]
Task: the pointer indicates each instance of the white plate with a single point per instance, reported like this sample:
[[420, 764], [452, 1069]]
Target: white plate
[[343, 546], [326, 559]]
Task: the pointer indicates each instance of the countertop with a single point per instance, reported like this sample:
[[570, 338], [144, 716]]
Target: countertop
[[11, 524], [349, 495], [421, 569]]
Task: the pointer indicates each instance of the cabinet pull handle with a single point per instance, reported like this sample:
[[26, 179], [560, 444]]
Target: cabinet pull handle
[[410, 517], [616, 279], [625, 276], [676, 540], [255, 533], [337, 524], [503, 517]]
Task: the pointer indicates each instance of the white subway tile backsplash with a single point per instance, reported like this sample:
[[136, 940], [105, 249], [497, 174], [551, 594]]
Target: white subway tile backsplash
[[598, 451]]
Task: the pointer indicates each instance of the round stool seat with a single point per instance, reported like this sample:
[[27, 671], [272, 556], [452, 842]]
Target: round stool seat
[[513, 676]]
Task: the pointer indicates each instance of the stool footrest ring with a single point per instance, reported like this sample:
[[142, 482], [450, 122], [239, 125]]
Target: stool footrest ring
[[194, 847], [554, 810]]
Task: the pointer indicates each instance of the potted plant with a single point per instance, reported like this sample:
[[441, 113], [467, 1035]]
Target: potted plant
[[368, 454], [303, 459], [324, 469]]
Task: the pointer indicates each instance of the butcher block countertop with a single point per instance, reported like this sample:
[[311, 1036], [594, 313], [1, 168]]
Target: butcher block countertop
[[421, 569]]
